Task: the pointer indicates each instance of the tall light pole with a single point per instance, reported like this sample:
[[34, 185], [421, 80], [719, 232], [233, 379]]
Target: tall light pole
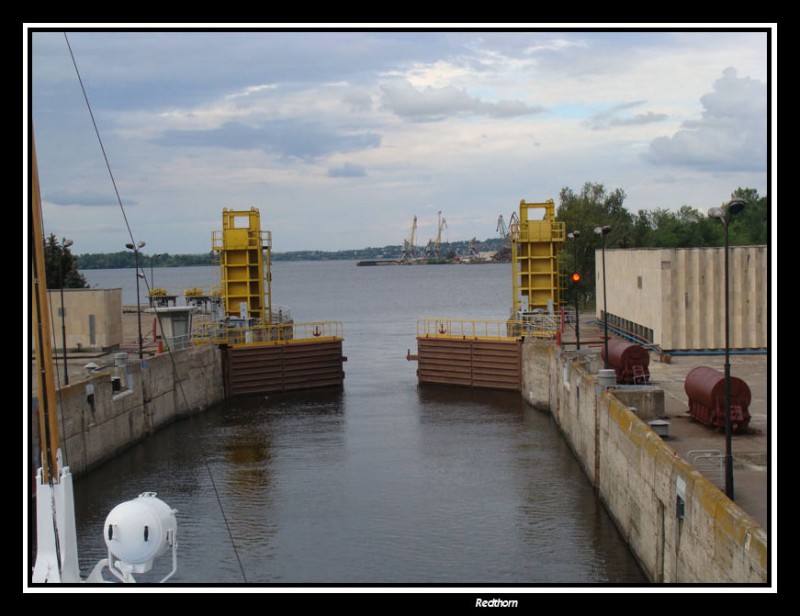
[[602, 232], [65, 243], [135, 248], [724, 213], [574, 237]]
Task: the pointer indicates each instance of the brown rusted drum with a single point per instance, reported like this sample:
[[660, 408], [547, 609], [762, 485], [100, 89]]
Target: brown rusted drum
[[624, 357], [705, 388]]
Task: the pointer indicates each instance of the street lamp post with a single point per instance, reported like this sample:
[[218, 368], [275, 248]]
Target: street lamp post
[[602, 232], [574, 237], [65, 243], [724, 213], [135, 248]]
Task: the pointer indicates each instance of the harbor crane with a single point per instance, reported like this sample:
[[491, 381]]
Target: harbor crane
[[502, 229], [435, 247], [504, 254], [408, 245]]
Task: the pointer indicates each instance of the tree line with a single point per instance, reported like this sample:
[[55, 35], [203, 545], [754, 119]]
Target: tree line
[[685, 227], [126, 258]]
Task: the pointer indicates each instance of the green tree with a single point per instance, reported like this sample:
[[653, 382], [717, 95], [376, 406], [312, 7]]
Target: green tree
[[593, 207], [60, 266], [751, 225], [684, 228], [643, 229]]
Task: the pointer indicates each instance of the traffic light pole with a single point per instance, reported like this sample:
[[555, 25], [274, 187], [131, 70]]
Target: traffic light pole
[[576, 278], [577, 317]]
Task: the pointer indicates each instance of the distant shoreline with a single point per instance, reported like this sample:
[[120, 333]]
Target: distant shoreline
[[125, 259]]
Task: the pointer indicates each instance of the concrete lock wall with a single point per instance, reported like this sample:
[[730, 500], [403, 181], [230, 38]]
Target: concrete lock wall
[[642, 482], [152, 393], [678, 295]]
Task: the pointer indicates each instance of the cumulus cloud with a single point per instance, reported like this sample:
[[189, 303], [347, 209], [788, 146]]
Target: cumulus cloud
[[618, 116], [289, 138], [731, 134], [91, 199], [433, 104], [347, 170]]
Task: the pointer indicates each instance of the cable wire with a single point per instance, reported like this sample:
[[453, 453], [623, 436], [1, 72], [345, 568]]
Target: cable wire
[[169, 352]]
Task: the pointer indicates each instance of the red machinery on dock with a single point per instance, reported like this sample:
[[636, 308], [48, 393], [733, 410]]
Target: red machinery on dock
[[705, 388], [630, 361]]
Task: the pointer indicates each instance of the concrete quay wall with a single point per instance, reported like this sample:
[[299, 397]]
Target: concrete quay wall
[[98, 422], [680, 526]]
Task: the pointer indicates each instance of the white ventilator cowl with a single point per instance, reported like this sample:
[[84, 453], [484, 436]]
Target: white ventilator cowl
[[139, 530]]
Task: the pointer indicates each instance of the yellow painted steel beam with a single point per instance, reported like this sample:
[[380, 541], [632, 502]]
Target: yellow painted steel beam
[[245, 265], [45, 392], [536, 281]]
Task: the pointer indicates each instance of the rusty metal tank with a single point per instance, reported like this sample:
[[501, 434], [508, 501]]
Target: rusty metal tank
[[705, 388], [630, 361]]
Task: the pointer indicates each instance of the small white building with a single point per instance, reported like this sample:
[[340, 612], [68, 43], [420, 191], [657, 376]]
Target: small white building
[[175, 324], [675, 297]]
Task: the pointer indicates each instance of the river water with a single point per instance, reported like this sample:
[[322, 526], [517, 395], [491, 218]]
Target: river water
[[384, 482]]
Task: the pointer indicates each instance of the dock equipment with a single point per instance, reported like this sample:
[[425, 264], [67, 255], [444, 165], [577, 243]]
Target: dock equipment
[[244, 259], [630, 361], [535, 270], [488, 354], [409, 252], [469, 353], [705, 388], [264, 350]]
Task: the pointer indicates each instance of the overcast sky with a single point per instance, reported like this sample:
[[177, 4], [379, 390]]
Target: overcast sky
[[341, 138]]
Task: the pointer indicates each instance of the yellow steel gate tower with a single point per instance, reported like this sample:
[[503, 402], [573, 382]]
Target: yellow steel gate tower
[[262, 352], [534, 259], [488, 354], [244, 258]]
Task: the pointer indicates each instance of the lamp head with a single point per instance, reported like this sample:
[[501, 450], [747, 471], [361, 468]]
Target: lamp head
[[734, 206], [727, 210]]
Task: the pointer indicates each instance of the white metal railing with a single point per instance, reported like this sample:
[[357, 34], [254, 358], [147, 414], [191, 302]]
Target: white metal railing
[[539, 323], [174, 343], [710, 462]]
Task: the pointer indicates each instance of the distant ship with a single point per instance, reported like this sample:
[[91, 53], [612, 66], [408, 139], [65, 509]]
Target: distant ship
[[379, 262]]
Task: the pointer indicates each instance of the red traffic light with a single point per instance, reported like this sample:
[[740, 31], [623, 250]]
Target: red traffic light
[[575, 278]]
